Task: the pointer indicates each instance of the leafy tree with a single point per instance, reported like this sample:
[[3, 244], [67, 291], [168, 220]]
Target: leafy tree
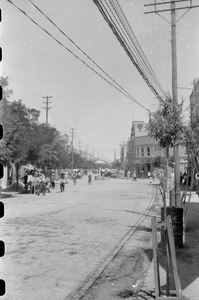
[[5, 119], [166, 124]]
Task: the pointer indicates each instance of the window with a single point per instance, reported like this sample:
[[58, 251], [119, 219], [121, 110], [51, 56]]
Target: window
[[142, 151], [148, 151], [138, 152]]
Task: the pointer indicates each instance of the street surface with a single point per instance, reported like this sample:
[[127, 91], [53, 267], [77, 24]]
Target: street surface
[[54, 241]]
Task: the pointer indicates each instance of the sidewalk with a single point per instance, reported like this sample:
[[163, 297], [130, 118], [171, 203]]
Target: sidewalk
[[187, 260]]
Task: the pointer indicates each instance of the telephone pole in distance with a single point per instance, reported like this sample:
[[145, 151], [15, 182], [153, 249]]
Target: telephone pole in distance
[[47, 107]]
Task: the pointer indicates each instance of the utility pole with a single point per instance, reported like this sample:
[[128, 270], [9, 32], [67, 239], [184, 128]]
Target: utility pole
[[47, 107], [175, 98], [172, 8], [72, 133]]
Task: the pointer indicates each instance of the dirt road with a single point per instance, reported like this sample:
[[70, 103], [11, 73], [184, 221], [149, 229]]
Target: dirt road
[[54, 242]]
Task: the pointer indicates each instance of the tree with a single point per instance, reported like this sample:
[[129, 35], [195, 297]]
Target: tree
[[19, 124], [166, 124], [5, 119]]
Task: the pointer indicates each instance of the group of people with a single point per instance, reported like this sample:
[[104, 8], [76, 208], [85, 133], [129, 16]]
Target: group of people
[[37, 181], [150, 176], [40, 184]]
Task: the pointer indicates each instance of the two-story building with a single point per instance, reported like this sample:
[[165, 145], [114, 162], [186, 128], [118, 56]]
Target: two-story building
[[144, 153], [144, 149]]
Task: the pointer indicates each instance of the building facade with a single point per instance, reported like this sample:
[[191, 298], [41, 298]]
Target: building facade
[[145, 149], [144, 154]]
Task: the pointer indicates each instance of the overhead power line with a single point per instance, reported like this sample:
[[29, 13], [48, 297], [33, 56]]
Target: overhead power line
[[78, 47], [118, 23], [119, 88]]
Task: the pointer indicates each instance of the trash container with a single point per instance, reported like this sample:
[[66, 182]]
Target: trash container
[[176, 214]]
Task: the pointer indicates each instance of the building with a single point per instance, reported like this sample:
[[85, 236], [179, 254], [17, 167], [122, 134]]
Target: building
[[144, 149], [144, 154]]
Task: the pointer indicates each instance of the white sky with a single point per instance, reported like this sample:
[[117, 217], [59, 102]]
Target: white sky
[[37, 66]]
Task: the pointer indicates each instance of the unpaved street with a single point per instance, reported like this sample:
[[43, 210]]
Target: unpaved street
[[53, 242]]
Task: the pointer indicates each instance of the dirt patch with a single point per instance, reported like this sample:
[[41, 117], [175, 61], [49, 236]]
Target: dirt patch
[[123, 278]]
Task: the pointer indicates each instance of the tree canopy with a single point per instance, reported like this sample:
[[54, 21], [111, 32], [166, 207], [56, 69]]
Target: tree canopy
[[166, 124], [26, 140]]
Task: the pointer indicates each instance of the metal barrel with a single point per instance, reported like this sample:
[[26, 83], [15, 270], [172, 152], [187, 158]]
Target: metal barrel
[[176, 214]]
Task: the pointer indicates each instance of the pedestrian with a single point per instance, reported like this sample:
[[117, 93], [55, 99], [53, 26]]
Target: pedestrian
[[79, 175], [74, 177], [128, 174], [134, 176], [42, 186], [52, 180], [62, 181], [89, 177], [25, 180], [149, 174], [32, 179], [48, 185], [184, 180]]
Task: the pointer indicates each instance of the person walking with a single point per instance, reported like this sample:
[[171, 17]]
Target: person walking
[[128, 174], [52, 181], [42, 186], [25, 180], [48, 185], [74, 177], [62, 181], [134, 176], [89, 177]]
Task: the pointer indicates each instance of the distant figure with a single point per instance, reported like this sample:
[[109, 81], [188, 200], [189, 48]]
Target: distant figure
[[89, 177], [149, 174], [181, 177], [25, 180], [74, 177], [42, 186], [48, 185], [79, 175], [52, 181], [128, 174], [134, 176], [184, 180], [62, 181]]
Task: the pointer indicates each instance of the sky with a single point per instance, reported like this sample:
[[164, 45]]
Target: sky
[[37, 66]]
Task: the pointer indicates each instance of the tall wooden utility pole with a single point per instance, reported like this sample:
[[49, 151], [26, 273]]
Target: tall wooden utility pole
[[157, 8], [47, 106], [175, 98], [72, 136]]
